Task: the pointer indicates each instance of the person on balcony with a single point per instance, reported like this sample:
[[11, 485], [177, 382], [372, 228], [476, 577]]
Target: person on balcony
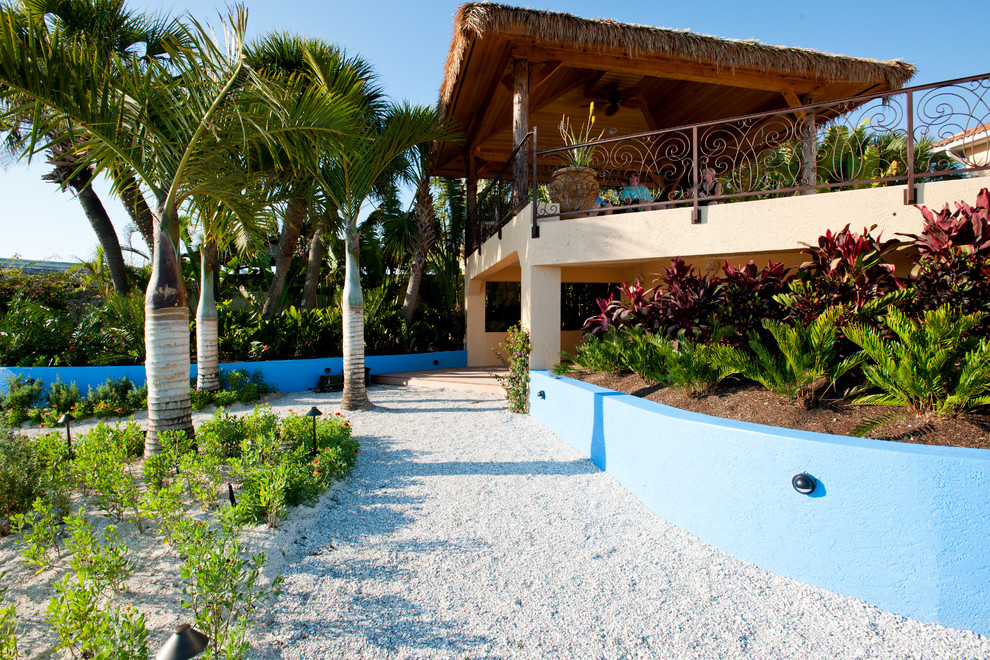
[[709, 188], [635, 193]]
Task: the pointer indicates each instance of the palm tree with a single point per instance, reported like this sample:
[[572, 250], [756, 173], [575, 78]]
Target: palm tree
[[348, 181], [182, 128], [107, 28], [221, 229], [281, 56], [425, 235]]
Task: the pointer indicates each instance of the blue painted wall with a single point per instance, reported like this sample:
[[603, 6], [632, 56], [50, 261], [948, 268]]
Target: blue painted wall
[[286, 375], [901, 526]]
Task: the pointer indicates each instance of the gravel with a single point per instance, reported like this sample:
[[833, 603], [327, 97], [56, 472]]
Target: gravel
[[469, 532]]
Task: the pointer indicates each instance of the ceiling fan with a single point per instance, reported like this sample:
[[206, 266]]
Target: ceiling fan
[[614, 99]]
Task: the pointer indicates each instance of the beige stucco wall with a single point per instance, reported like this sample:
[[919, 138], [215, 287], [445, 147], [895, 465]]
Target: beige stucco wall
[[639, 245]]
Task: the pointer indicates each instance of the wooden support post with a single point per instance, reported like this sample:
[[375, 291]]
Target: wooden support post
[[520, 126], [471, 230], [809, 153]]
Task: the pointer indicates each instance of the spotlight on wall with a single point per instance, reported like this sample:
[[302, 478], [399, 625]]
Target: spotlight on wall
[[541, 394], [804, 483]]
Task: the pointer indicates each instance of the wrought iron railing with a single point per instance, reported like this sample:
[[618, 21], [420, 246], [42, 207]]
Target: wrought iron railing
[[923, 133]]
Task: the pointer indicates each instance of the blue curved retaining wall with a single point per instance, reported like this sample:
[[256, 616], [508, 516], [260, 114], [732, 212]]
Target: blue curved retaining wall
[[286, 375], [904, 527]]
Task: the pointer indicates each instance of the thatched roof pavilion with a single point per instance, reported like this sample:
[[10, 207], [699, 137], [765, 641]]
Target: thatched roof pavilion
[[641, 78]]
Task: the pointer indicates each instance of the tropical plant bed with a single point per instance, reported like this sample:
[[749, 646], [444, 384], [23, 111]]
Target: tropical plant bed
[[752, 403]]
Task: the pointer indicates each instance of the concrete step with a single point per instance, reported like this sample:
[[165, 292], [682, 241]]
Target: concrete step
[[478, 379]]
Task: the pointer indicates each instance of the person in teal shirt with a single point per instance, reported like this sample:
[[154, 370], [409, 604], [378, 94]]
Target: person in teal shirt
[[635, 192]]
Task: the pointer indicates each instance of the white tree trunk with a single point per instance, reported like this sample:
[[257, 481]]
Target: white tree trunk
[[166, 336], [355, 395], [207, 344]]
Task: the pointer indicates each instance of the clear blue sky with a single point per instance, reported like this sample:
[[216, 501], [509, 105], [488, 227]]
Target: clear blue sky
[[408, 41]]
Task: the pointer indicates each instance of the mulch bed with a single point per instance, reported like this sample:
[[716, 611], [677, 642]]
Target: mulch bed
[[751, 403]]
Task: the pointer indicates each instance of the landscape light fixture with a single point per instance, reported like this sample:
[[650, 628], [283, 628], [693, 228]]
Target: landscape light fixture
[[541, 394], [187, 642], [65, 419], [804, 483], [314, 413]]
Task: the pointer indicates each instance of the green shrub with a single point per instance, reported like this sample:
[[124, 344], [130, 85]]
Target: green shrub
[[221, 435], [277, 467], [157, 469], [22, 394], [202, 476], [39, 533], [101, 461], [104, 564], [8, 625], [88, 626], [690, 367], [165, 506], [224, 398], [804, 362], [21, 476], [62, 397], [604, 353], [933, 364], [514, 354], [222, 587]]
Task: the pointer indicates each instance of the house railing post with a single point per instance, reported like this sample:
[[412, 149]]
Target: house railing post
[[536, 227], [695, 213], [911, 194]]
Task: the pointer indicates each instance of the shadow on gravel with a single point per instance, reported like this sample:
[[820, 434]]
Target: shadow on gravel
[[467, 406], [496, 468]]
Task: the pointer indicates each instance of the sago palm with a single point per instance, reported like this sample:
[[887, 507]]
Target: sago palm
[[804, 362], [932, 365]]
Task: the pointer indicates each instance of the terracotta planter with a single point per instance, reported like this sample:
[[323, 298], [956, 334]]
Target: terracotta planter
[[574, 188]]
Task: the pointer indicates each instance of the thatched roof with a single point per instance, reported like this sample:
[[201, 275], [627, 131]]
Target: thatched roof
[[477, 20], [649, 78]]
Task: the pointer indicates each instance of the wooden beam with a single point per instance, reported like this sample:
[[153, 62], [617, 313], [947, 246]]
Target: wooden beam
[[793, 102], [542, 75], [668, 67]]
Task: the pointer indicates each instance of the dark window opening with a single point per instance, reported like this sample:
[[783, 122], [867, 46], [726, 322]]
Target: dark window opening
[[503, 305], [578, 302]]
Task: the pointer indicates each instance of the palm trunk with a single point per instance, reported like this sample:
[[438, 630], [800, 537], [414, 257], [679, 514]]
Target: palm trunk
[[107, 236], [425, 237], [137, 208], [166, 336], [66, 164], [313, 267], [207, 345], [291, 227], [355, 395]]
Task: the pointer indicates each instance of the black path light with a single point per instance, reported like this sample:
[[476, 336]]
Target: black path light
[[65, 419], [804, 483], [187, 642], [314, 413]]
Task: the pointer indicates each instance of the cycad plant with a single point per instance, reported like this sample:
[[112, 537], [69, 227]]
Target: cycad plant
[[932, 366], [605, 352], [691, 367], [804, 363]]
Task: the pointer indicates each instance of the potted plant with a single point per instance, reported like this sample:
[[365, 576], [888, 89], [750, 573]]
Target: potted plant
[[575, 186]]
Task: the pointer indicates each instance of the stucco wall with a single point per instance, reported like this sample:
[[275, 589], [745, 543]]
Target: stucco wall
[[285, 375], [641, 244], [900, 526]]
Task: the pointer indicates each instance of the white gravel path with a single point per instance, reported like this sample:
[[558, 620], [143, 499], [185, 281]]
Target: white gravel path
[[469, 532]]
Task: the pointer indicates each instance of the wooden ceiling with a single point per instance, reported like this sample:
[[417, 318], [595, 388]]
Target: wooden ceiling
[[634, 91]]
